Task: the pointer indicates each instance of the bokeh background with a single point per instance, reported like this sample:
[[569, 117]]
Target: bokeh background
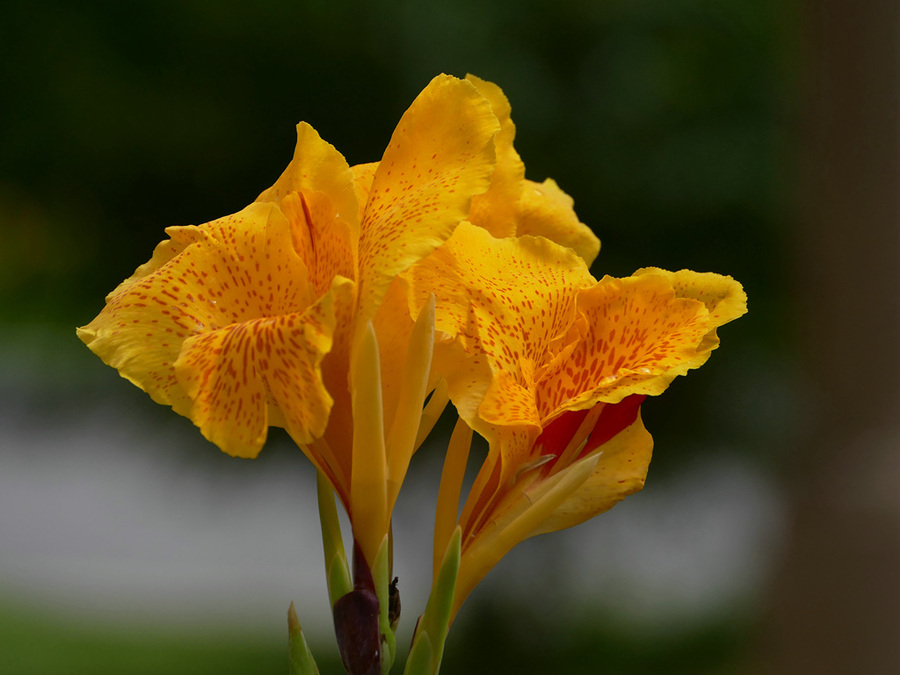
[[748, 137]]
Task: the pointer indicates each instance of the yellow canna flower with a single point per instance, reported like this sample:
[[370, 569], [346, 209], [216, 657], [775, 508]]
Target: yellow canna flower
[[281, 314], [551, 367]]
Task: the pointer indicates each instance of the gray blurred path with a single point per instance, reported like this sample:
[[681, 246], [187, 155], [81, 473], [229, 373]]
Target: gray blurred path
[[114, 510]]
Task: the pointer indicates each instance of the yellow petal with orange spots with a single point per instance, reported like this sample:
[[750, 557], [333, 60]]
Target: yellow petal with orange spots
[[325, 243], [234, 270], [467, 378], [441, 154], [509, 299], [642, 333], [620, 471], [363, 175], [317, 192], [139, 332], [318, 167], [547, 211], [496, 210], [179, 239], [723, 296], [232, 373]]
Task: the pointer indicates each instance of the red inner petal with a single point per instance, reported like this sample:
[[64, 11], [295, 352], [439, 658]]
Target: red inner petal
[[614, 418], [555, 438]]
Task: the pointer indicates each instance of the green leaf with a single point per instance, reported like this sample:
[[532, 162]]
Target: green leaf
[[301, 658], [420, 656], [431, 633]]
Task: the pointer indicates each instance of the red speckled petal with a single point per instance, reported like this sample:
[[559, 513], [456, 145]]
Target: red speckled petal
[[642, 333], [723, 296], [441, 154], [231, 373], [318, 167], [509, 299], [318, 194], [233, 270], [179, 239], [324, 242]]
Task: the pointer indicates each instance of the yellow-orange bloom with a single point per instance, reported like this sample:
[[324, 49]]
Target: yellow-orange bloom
[[276, 315], [551, 366]]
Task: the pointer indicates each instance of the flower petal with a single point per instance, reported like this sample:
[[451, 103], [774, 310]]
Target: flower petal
[[441, 154], [234, 269], [368, 482], [450, 488], [496, 210], [514, 522], [393, 327], [528, 500], [232, 373], [363, 175], [407, 416], [514, 206], [723, 296], [642, 332], [324, 241], [317, 192], [508, 299], [318, 167], [547, 211], [620, 471]]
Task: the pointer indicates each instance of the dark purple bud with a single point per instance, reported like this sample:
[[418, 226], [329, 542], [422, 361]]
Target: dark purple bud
[[358, 634]]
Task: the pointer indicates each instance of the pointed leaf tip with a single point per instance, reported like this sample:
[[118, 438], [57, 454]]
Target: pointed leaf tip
[[301, 658]]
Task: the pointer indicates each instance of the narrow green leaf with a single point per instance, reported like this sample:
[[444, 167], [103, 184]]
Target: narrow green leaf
[[435, 622], [301, 658], [420, 656]]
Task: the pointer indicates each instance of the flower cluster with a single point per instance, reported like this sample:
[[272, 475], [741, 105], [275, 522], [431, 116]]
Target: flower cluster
[[348, 305]]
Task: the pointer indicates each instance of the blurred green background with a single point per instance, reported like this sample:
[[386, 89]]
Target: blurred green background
[[670, 125]]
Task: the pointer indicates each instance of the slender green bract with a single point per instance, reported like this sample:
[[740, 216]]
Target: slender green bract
[[431, 633], [301, 658]]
